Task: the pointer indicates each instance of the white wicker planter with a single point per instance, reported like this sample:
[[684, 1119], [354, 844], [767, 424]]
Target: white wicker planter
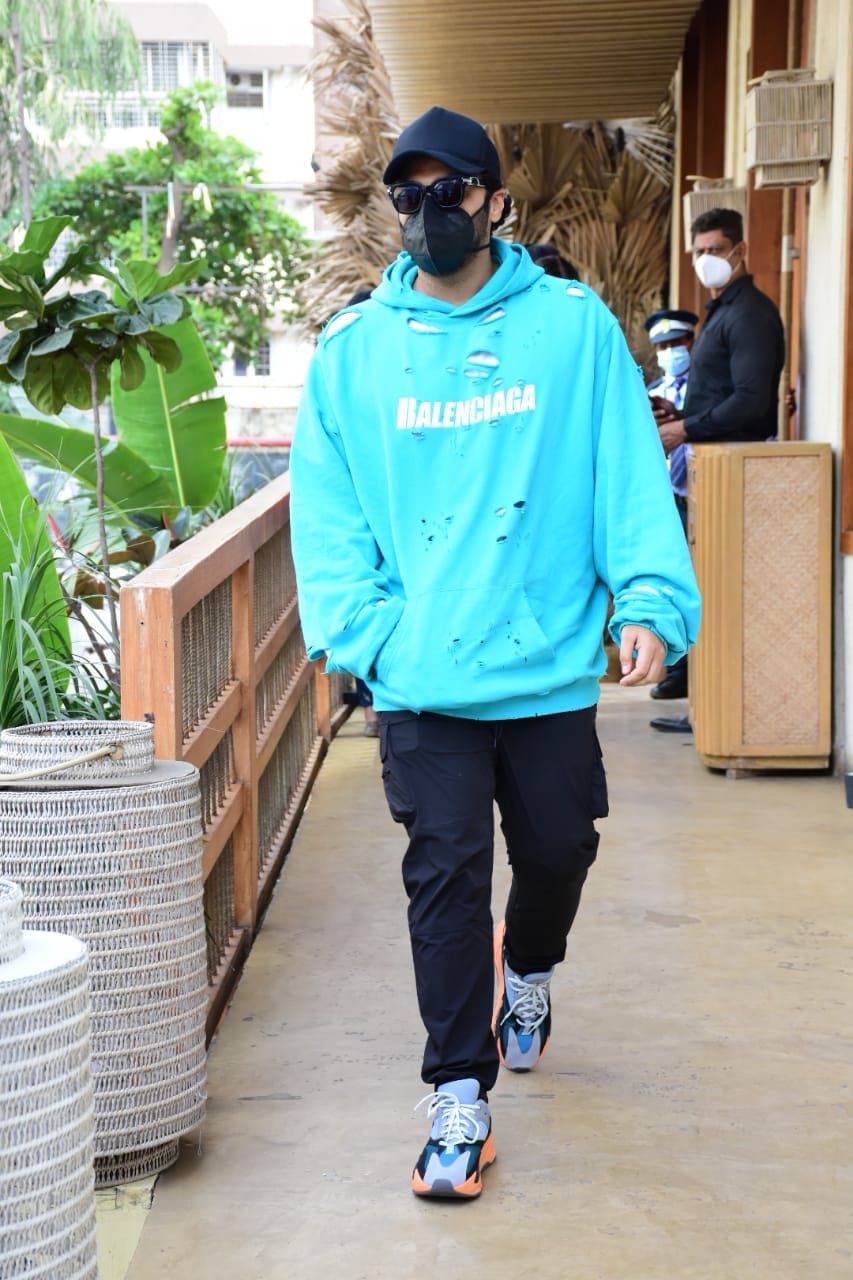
[[110, 851], [47, 1188]]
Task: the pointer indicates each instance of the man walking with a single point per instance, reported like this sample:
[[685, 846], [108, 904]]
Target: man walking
[[475, 463]]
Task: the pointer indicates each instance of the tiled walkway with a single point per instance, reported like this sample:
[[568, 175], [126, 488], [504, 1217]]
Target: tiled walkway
[[691, 1120]]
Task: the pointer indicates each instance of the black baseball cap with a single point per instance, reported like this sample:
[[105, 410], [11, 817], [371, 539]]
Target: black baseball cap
[[455, 140]]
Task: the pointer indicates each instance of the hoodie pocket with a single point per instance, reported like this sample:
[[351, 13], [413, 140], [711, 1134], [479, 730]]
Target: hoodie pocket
[[464, 646]]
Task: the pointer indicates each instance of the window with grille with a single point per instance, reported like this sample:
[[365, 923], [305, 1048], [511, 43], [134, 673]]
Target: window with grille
[[168, 64], [259, 366], [244, 89], [262, 359]]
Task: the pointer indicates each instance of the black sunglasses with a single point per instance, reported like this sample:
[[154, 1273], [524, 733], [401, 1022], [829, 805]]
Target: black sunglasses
[[448, 193]]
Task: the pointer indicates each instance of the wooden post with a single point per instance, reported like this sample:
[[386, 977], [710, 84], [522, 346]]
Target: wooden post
[[763, 231], [245, 840], [323, 697], [151, 687], [702, 113]]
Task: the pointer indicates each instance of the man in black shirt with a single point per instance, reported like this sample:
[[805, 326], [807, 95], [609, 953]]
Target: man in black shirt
[[736, 361]]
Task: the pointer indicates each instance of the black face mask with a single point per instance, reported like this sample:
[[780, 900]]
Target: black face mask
[[439, 240]]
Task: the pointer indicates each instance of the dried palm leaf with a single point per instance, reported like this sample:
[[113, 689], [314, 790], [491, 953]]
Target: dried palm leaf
[[598, 191]]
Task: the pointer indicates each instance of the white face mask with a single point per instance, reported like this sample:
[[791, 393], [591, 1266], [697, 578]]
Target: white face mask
[[713, 272], [674, 361]]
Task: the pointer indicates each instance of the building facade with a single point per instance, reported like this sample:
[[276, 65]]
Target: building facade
[[259, 57]]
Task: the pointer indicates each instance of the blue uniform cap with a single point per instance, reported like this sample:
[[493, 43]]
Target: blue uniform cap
[[663, 326]]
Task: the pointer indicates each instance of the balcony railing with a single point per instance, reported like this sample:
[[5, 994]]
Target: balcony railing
[[212, 654]]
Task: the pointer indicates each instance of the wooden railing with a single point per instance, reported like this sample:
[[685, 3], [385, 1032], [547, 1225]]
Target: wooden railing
[[212, 654]]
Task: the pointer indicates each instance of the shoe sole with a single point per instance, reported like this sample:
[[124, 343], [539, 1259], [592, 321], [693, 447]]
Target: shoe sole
[[468, 1190], [500, 985], [500, 988]]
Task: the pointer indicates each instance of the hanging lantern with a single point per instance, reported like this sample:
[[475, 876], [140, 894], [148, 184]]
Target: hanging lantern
[[109, 849], [47, 1187]]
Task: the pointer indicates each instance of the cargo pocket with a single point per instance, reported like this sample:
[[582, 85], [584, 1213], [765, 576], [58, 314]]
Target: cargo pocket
[[400, 803]]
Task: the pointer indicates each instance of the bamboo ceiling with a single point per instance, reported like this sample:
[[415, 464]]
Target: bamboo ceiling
[[531, 61]]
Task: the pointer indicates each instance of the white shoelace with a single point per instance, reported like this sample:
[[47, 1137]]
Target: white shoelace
[[458, 1122], [530, 1007]]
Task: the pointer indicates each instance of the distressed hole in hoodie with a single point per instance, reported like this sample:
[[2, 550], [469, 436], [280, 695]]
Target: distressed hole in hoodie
[[421, 326], [341, 322]]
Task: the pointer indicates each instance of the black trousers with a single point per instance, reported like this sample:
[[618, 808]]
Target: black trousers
[[442, 777]]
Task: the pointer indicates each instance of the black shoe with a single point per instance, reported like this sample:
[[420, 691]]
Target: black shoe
[[673, 685], [672, 724]]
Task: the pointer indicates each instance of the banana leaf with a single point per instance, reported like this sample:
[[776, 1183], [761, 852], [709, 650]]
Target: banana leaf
[[43, 233], [182, 441], [131, 486], [22, 532]]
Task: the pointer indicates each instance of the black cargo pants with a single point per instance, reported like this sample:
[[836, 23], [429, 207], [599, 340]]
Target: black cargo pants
[[442, 777]]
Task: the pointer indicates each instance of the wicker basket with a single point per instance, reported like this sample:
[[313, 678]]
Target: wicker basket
[[47, 1189], [45, 746], [110, 851]]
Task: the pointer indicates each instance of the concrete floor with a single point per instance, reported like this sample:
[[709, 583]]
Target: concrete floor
[[691, 1120]]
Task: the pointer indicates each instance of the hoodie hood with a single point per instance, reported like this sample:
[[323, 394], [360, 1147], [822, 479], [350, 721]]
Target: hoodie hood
[[516, 272]]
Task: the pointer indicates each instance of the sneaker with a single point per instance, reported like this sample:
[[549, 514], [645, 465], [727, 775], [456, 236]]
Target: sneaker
[[460, 1143], [522, 1021]]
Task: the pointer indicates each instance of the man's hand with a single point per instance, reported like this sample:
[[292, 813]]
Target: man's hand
[[672, 434], [663, 410], [641, 655]]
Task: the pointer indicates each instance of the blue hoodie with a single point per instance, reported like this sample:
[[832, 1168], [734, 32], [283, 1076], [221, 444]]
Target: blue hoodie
[[466, 484]]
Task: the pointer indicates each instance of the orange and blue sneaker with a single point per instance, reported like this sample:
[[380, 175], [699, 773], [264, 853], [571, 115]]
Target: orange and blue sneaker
[[522, 1020], [460, 1144]]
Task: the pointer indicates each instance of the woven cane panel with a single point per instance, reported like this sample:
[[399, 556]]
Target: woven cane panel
[[274, 685], [120, 868], [38, 746], [207, 663], [47, 1190], [219, 917], [780, 600], [282, 776], [218, 774], [275, 582]]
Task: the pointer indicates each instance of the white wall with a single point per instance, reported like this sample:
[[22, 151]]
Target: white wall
[[282, 132], [252, 21], [822, 387]]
